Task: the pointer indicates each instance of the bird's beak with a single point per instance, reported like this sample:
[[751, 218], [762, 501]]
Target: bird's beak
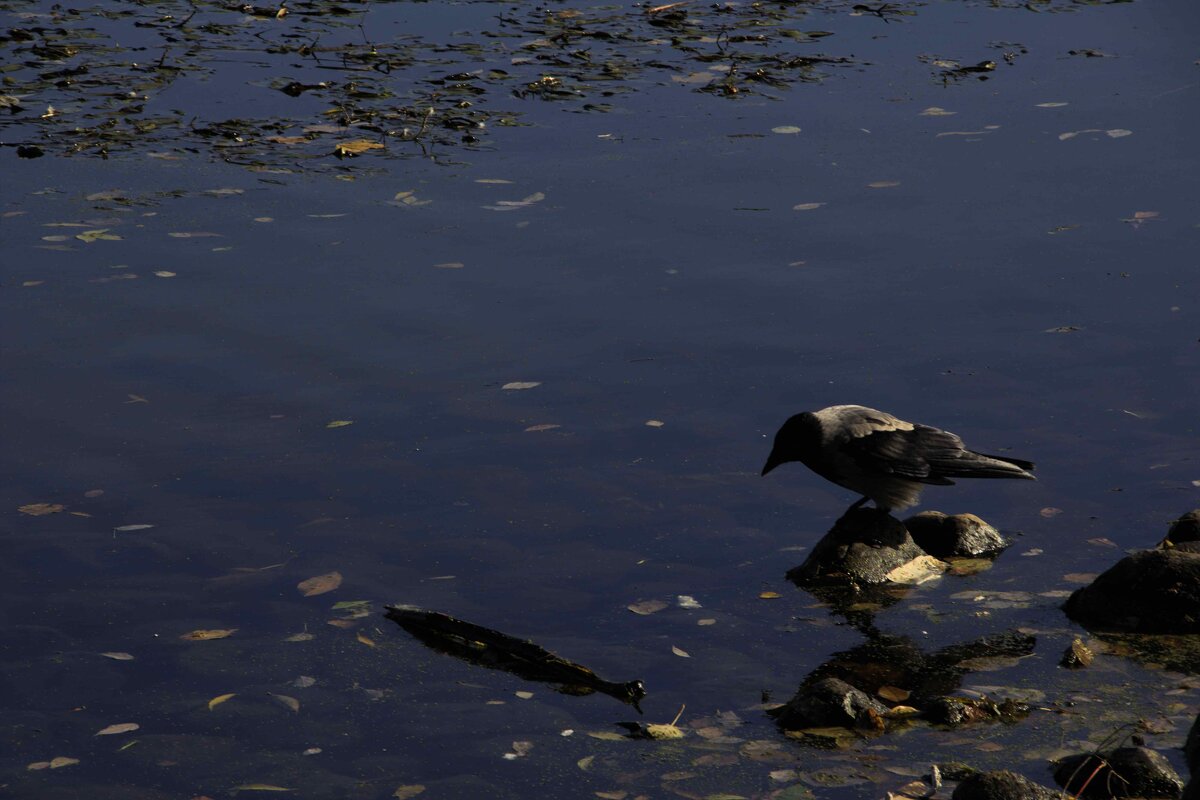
[[773, 461]]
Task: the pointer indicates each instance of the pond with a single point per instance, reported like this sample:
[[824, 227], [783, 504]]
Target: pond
[[493, 309]]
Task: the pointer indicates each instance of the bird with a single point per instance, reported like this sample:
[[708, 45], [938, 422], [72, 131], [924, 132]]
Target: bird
[[882, 457]]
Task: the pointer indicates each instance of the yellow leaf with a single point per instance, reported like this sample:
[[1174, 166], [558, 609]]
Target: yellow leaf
[[41, 509], [259, 787], [362, 637], [405, 792], [664, 731], [204, 635], [221, 698], [120, 727], [340, 423], [355, 147], [769, 595], [290, 703], [62, 761], [97, 235], [320, 584]]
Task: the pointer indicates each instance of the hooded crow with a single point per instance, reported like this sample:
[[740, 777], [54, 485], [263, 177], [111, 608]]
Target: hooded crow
[[883, 458]]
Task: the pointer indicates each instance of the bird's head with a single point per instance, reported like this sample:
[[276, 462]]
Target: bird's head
[[799, 437]]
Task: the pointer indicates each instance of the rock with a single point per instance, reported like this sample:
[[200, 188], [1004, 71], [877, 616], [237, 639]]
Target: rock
[[1124, 772], [955, 711], [1153, 591], [1185, 529], [1077, 656], [1191, 749], [825, 703], [862, 548], [1002, 785], [964, 535]]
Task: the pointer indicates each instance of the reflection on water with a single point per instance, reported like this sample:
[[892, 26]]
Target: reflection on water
[[687, 266]]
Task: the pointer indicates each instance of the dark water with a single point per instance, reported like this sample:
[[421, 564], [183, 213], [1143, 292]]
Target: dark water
[[659, 272]]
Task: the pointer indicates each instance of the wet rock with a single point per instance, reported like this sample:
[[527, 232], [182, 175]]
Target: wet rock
[[1077, 656], [964, 535], [1154, 591], [1191, 749], [1185, 529], [824, 703], [956, 711], [1124, 772], [862, 548], [1002, 785]]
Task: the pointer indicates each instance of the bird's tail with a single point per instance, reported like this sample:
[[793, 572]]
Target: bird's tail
[[982, 465]]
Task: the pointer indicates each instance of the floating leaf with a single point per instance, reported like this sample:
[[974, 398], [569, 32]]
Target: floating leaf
[[1051, 105], [524, 695], [807, 206], [320, 584], [882, 184], [935, 111], [288, 702], [203, 635], [37, 765], [680, 652], [163, 273], [613, 795], [368, 641], [893, 694], [654, 423], [706, 622], [405, 792], [41, 509], [300, 637], [339, 423], [542, 427], [118, 656], [304, 681], [786, 129], [221, 698], [514, 385], [100, 234], [120, 727], [687, 601], [646, 607], [62, 761], [585, 763], [514, 205], [93, 493], [355, 147], [606, 736], [1050, 511], [769, 595], [260, 787], [137, 527], [191, 234]]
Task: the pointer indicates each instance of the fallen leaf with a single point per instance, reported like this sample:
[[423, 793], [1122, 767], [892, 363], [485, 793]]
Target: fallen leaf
[[355, 147], [606, 736], [362, 637], [935, 111], [769, 595], [41, 509], [893, 694], [882, 184], [37, 765], [1050, 511], [1101, 541], [646, 607], [521, 385], [405, 792], [120, 727], [300, 637], [118, 656], [680, 652], [93, 493], [524, 695], [203, 635], [320, 584], [100, 234], [807, 206], [542, 427], [613, 795], [339, 423], [62, 761], [164, 273], [137, 527], [786, 129], [664, 730], [655, 423], [259, 787], [585, 763], [706, 622], [288, 702], [221, 698], [687, 601], [304, 681]]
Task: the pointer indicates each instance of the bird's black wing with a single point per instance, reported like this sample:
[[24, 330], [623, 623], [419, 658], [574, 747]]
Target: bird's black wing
[[922, 454]]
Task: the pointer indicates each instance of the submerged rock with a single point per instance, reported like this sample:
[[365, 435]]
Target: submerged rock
[[1002, 785], [955, 711], [1191, 749], [828, 702], [1154, 591], [862, 548], [1124, 772], [963, 535]]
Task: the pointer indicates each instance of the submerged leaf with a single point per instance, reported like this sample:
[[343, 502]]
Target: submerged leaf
[[41, 509], [320, 584], [120, 727], [203, 635], [521, 385]]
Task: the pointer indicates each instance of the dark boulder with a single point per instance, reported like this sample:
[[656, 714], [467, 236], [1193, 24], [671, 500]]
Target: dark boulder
[[825, 703], [962, 535], [862, 548], [1002, 785], [955, 711], [1191, 749], [1124, 772], [1185, 529], [1153, 591]]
